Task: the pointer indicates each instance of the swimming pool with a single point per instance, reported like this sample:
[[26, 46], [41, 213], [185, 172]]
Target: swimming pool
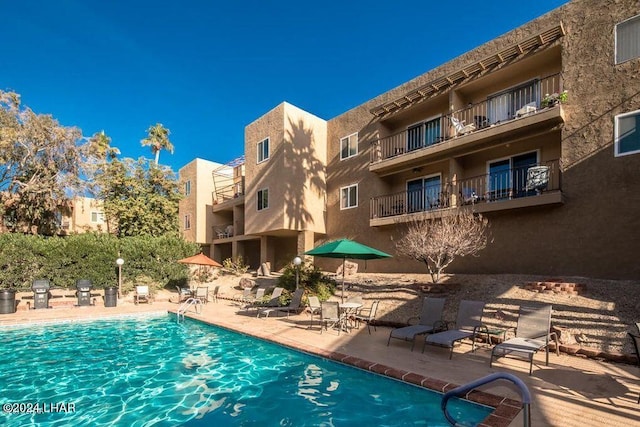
[[152, 371]]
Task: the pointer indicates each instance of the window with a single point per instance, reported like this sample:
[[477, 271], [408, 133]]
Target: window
[[628, 40], [97, 217], [424, 194], [627, 133], [508, 177], [263, 150], [187, 222], [423, 134], [349, 197], [503, 105], [263, 199], [349, 146], [187, 188]]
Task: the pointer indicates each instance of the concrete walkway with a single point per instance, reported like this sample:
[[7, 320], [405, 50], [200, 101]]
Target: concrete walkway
[[571, 391]]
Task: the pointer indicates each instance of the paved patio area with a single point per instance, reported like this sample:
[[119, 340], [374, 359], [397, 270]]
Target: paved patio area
[[571, 391]]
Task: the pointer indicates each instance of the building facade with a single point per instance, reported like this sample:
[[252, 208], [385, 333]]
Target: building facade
[[86, 215], [538, 130]]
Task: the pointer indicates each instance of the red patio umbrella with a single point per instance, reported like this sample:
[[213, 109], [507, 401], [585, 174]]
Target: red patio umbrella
[[200, 259]]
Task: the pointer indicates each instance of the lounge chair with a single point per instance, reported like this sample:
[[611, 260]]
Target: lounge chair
[[468, 325], [368, 315], [295, 306], [430, 321], [330, 315], [532, 334], [635, 339], [214, 293], [142, 294], [314, 307], [273, 301], [460, 128]]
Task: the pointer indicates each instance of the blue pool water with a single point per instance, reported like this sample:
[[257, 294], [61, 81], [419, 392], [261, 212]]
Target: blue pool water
[[150, 370]]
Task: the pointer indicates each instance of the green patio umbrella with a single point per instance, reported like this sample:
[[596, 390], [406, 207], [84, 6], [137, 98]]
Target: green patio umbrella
[[345, 248]]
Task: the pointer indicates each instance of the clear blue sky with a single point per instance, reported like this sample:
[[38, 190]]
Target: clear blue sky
[[206, 69]]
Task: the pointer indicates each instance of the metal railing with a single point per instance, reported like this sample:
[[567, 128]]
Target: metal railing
[[505, 184], [525, 394], [191, 303], [513, 103]]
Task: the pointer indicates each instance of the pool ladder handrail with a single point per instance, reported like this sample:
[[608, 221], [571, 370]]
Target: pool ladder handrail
[[525, 394], [195, 303]]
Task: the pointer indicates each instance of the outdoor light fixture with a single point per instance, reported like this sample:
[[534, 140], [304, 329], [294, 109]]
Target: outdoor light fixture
[[297, 261], [119, 263]]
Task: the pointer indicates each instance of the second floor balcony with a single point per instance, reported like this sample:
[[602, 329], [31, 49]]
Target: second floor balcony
[[500, 189], [514, 111]]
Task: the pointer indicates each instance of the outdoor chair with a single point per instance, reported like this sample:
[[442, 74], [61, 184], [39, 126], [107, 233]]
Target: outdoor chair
[[252, 301], [429, 321], [295, 306], [460, 128], [314, 307], [368, 315], [468, 324], [537, 178], [532, 334], [214, 293], [142, 295], [635, 339], [202, 293], [273, 301], [330, 315], [183, 293], [468, 196]]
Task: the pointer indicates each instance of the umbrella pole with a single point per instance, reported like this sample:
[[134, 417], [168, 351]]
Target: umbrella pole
[[343, 266]]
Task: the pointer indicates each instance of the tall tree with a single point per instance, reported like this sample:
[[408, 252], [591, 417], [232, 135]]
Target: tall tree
[[158, 139], [39, 167], [139, 200], [436, 242]]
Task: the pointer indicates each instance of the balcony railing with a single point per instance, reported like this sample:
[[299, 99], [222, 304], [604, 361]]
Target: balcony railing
[[511, 104], [501, 185]]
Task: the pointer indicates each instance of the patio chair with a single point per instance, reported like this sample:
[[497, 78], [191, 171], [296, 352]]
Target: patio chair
[[273, 301], [295, 306], [635, 339], [429, 321], [468, 196], [214, 293], [460, 128], [368, 315], [202, 293], [314, 307], [142, 294], [532, 334], [252, 301], [537, 178], [468, 324], [330, 315], [183, 293]]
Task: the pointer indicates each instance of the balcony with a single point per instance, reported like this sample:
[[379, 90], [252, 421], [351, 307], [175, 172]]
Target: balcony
[[501, 189], [511, 114]]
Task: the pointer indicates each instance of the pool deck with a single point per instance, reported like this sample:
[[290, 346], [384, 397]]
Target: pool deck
[[571, 391]]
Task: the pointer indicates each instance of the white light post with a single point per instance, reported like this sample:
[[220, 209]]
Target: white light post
[[119, 263], [297, 261]]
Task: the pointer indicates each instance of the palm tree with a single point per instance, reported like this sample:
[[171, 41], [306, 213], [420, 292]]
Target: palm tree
[[158, 139]]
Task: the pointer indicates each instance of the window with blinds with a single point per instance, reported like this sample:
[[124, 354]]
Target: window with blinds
[[628, 39]]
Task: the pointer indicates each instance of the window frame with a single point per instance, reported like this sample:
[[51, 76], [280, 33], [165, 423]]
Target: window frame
[[615, 43], [187, 221], [258, 199], [488, 185], [260, 150], [187, 188], [616, 133], [99, 217], [347, 187], [348, 140]]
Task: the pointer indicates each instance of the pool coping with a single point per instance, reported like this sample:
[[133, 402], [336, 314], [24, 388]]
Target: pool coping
[[504, 412]]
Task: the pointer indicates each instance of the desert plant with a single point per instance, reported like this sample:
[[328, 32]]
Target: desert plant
[[235, 266], [438, 241], [310, 278]]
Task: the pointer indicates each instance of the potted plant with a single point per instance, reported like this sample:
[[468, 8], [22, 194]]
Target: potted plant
[[554, 99]]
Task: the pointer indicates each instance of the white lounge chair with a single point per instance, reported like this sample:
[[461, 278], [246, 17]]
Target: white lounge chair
[[460, 128]]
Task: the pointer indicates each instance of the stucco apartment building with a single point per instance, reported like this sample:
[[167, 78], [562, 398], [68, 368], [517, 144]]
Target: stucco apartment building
[[556, 173], [87, 215]]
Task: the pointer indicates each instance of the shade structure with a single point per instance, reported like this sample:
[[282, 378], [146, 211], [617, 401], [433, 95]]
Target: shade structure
[[346, 248], [200, 259]]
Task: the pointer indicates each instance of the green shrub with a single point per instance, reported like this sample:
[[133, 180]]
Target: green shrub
[[237, 266], [310, 278]]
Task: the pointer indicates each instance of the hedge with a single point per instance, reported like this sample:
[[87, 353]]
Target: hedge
[[63, 260]]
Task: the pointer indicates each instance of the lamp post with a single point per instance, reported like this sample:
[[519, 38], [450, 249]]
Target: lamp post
[[297, 261], [119, 263]]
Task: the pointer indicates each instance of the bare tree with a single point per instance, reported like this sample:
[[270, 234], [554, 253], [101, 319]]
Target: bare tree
[[438, 241]]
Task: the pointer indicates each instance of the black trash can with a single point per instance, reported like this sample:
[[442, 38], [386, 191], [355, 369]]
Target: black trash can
[[83, 291], [40, 290], [110, 297], [7, 301]]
